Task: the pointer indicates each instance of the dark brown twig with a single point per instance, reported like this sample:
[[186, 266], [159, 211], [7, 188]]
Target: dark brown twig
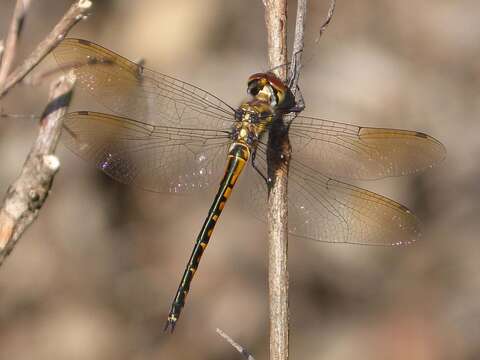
[[276, 23], [237, 346], [76, 12], [16, 26], [27, 194]]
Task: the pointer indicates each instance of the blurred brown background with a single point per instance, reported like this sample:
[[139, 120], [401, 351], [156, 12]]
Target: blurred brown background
[[94, 277]]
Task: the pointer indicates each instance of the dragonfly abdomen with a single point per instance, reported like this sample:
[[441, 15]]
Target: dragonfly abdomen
[[238, 155]]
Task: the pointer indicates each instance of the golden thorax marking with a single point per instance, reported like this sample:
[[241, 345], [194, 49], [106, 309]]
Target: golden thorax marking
[[243, 133]]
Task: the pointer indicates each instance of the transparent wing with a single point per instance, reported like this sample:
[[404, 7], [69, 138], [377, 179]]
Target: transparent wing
[[324, 209], [352, 152], [131, 90], [156, 158], [329, 210]]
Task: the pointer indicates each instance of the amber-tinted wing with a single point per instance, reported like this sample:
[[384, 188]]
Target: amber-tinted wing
[[133, 91], [157, 158], [329, 210], [364, 153], [323, 209]]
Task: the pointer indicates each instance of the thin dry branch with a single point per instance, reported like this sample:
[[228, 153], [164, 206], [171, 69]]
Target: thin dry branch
[[27, 194], [76, 12], [40, 77], [327, 21], [2, 49], [237, 346], [16, 26], [298, 42], [276, 24], [4, 115], [279, 153]]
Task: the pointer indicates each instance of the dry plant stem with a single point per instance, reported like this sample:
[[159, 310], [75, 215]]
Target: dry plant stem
[[278, 267], [21, 8], [2, 49], [71, 17], [294, 73], [299, 39], [246, 355], [276, 23], [327, 21], [27, 194]]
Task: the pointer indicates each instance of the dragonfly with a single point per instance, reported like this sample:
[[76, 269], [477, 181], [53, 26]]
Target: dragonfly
[[166, 135]]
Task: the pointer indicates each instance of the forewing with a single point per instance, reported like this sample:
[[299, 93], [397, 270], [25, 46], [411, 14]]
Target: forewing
[[364, 153], [156, 158], [131, 90]]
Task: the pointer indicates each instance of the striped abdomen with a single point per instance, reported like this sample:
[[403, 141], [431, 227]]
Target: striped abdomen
[[237, 157]]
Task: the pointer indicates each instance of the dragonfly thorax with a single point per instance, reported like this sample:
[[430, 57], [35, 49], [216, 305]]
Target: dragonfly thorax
[[253, 118]]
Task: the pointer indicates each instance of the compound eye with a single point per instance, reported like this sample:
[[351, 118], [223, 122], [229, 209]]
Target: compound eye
[[253, 88]]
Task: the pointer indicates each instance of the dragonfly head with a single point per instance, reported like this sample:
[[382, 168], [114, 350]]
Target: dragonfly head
[[268, 87]]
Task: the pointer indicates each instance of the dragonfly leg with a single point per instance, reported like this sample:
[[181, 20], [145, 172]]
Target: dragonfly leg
[[299, 102], [256, 168]]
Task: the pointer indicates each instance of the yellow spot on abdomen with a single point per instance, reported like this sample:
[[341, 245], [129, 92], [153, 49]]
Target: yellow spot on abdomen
[[228, 191], [221, 205], [203, 245], [234, 177]]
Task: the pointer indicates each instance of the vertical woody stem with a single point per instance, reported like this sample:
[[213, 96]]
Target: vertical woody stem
[[276, 23]]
